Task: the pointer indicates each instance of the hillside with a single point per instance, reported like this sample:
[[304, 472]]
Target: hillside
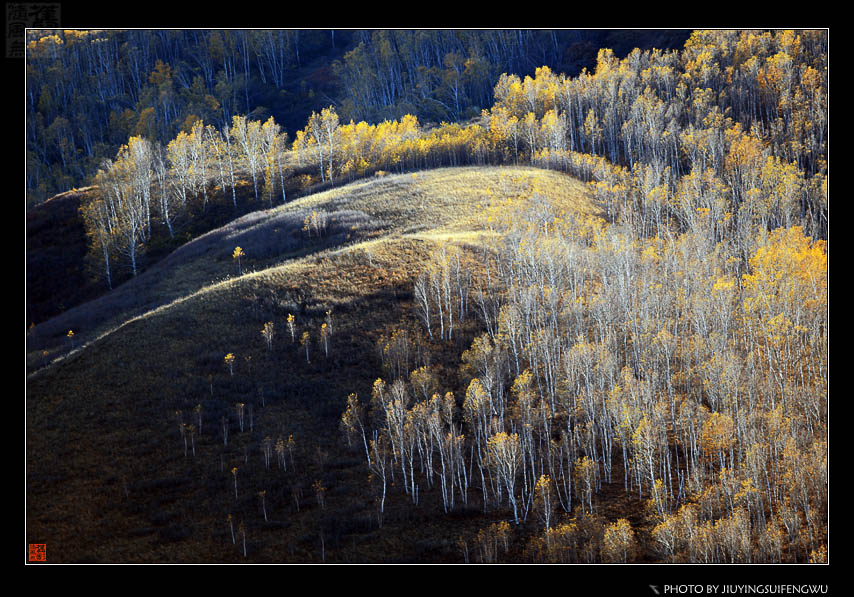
[[108, 480], [357, 212]]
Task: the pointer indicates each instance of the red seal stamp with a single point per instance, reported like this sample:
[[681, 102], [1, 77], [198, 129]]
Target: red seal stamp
[[37, 552]]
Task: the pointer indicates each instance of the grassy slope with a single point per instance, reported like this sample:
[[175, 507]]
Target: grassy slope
[[107, 478]]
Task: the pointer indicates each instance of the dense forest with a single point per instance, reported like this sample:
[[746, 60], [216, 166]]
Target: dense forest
[[89, 91], [711, 127], [679, 342], [674, 344]]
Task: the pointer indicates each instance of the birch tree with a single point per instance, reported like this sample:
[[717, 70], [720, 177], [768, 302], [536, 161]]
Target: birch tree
[[247, 134], [505, 458]]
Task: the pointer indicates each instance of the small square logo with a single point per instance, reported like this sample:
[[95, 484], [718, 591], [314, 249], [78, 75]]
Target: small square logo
[[37, 552], [20, 16]]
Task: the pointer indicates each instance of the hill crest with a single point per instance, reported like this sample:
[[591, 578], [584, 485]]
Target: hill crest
[[444, 204]]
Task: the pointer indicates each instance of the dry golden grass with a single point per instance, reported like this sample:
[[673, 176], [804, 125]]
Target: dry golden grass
[[446, 197]]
